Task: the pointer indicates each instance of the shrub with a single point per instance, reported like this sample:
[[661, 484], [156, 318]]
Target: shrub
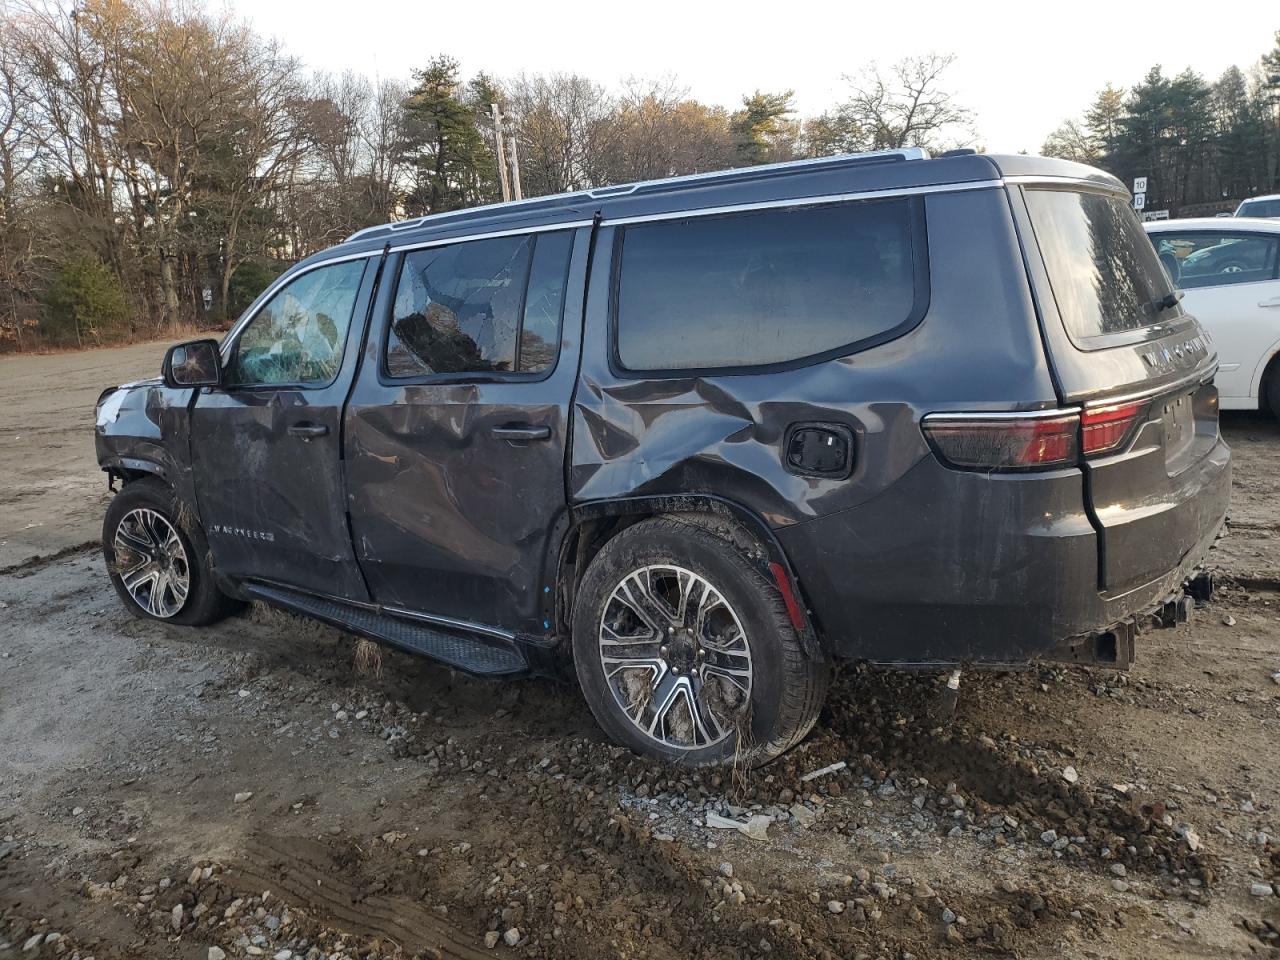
[[84, 303]]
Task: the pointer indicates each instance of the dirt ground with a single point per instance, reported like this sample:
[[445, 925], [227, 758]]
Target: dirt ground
[[244, 790], [53, 495]]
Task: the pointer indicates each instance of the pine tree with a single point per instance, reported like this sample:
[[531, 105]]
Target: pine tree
[[442, 141], [763, 131]]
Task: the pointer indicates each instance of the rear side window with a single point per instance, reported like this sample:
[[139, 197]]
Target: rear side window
[[1217, 259], [764, 288], [1104, 272], [479, 307]]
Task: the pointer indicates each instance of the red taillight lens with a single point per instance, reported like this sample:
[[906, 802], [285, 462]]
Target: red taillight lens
[[1104, 429], [975, 442]]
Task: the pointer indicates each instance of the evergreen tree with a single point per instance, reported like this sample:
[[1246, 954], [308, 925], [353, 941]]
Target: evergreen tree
[[1102, 120], [763, 131], [442, 141]]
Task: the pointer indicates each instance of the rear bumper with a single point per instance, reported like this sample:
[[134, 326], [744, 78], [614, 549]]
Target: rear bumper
[[948, 567]]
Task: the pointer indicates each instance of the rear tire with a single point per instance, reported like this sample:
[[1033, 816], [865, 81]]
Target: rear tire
[[158, 558], [719, 674]]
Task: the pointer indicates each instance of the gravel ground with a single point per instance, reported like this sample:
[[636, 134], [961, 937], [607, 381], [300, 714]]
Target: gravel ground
[[244, 790]]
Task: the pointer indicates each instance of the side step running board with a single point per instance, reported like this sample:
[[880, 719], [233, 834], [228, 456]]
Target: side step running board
[[485, 657]]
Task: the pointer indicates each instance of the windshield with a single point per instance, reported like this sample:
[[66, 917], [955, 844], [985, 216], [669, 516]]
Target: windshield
[[1259, 208], [1104, 272]]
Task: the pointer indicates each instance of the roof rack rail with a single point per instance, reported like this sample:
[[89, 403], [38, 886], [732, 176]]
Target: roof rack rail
[[625, 189]]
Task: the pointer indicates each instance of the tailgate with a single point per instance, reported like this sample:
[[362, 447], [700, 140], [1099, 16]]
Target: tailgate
[[1121, 346]]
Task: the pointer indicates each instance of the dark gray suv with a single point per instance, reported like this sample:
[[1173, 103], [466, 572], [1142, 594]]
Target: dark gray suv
[[699, 437]]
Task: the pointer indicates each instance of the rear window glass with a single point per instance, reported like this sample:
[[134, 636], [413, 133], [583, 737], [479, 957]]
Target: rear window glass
[[761, 288], [1103, 269], [1259, 208]]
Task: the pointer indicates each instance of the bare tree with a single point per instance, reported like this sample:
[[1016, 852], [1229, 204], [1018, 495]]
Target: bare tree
[[19, 147], [657, 131], [908, 107], [563, 123], [263, 140], [1071, 141]]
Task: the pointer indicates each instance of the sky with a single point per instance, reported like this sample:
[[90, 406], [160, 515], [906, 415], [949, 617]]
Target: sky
[[1020, 71]]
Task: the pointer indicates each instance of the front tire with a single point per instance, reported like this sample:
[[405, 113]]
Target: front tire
[[158, 558], [685, 652]]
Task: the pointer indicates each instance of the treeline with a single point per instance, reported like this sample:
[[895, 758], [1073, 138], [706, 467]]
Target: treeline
[[1203, 146], [160, 164]]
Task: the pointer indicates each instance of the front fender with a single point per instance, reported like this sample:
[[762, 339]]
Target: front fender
[[144, 429]]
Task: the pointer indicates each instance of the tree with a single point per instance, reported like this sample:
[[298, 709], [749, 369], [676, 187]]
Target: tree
[[831, 133], [442, 141], [1071, 142], [763, 129], [908, 107], [658, 132], [1102, 119], [86, 302], [564, 128]]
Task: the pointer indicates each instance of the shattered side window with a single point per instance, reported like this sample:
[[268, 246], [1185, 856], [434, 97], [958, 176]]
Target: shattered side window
[[457, 308], [298, 336]]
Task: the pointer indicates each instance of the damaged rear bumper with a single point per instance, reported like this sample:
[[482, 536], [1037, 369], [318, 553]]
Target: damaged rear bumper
[[1116, 646]]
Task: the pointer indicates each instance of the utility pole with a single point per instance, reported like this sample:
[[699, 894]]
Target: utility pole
[[517, 193], [501, 152]]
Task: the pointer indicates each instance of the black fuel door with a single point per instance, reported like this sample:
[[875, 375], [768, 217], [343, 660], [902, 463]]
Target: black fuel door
[[819, 450]]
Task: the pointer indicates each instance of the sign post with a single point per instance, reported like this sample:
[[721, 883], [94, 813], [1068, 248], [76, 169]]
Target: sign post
[[1139, 192]]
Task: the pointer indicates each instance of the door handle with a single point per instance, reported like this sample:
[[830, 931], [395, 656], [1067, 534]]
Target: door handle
[[307, 430], [1273, 302], [520, 433]]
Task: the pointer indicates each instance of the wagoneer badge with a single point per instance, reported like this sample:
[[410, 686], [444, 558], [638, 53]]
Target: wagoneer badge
[[1162, 359]]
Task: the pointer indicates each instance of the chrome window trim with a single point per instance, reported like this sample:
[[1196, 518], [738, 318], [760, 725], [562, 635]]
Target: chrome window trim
[[492, 235], [286, 278], [1050, 181], [687, 213]]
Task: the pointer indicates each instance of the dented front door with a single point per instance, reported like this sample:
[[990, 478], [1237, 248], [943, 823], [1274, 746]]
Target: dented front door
[[266, 447]]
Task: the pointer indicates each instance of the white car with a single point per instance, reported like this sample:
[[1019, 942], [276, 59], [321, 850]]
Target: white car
[[1230, 272], [1268, 206]]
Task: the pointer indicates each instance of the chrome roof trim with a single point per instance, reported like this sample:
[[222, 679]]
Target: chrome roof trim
[[687, 213], [624, 189]]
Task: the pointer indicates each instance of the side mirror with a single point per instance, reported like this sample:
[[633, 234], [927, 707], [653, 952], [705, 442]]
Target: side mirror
[[197, 363]]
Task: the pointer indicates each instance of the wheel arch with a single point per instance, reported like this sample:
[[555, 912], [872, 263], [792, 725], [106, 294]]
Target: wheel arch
[[128, 469], [593, 524]]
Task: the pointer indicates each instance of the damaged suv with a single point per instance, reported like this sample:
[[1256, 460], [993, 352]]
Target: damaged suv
[[698, 437]]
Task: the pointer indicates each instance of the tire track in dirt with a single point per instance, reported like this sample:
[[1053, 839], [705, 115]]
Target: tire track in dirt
[[335, 887]]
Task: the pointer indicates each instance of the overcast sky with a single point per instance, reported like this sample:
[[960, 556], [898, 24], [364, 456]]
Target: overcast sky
[[1021, 71]]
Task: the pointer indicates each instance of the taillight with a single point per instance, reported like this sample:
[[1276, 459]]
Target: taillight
[[984, 442], [1105, 429]]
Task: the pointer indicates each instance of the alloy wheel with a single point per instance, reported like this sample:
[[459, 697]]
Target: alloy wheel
[[675, 657], [152, 562]]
